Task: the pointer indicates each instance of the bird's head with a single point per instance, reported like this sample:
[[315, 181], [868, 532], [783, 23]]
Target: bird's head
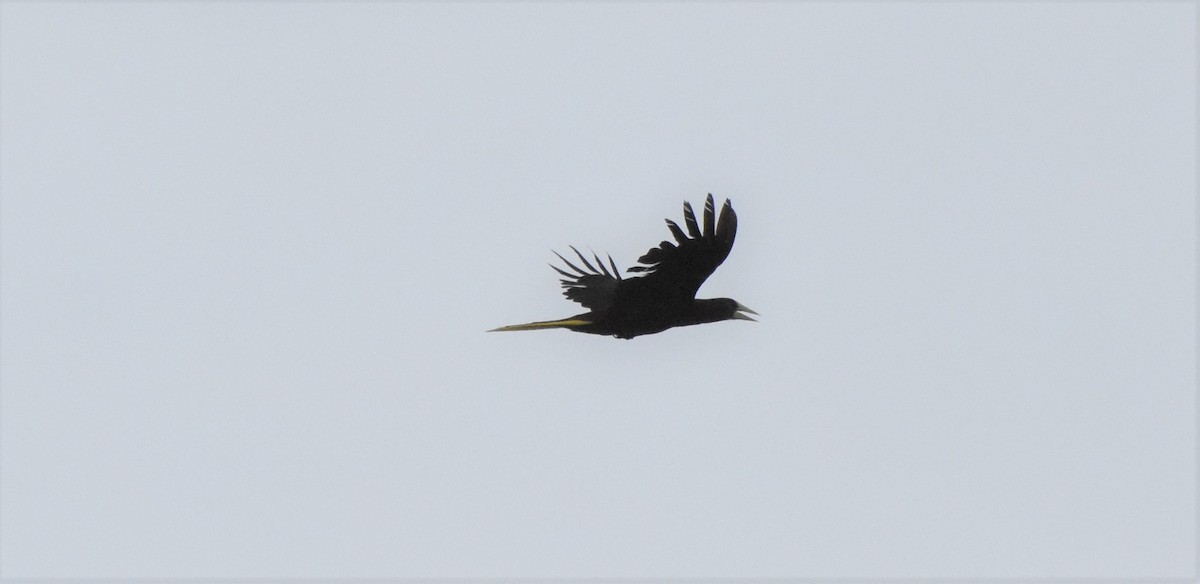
[[717, 309]]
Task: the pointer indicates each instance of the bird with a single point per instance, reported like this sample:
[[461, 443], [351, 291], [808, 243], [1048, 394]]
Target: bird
[[663, 295]]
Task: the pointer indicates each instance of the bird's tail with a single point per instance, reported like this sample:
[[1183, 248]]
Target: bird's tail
[[545, 324]]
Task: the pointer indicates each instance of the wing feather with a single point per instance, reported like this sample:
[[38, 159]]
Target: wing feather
[[594, 288], [584, 260], [689, 217], [615, 271], [675, 270], [676, 231], [600, 263], [708, 216], [570, 265]]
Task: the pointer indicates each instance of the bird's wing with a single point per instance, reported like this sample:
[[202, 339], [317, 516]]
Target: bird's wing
[[678, 269], [593, 288]]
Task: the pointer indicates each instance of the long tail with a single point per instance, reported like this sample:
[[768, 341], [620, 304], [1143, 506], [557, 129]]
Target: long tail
[[545, 324]]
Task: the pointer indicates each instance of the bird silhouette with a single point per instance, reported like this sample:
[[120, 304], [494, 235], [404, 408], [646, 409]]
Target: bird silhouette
[[664, 296]]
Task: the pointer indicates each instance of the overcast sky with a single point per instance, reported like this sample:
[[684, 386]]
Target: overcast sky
[[249, 252]]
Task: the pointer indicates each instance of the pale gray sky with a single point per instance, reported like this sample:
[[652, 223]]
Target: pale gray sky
[[249, 250]]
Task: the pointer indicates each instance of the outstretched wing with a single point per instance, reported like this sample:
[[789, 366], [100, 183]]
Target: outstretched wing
[[593, 288], [678, 269]]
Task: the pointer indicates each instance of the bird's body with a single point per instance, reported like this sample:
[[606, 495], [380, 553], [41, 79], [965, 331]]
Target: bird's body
[[665, 296]]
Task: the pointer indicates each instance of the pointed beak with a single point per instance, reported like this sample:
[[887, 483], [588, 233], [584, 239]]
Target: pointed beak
[[740, 309]]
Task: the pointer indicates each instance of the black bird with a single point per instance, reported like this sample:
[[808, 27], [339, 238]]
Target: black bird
[[665, 296]]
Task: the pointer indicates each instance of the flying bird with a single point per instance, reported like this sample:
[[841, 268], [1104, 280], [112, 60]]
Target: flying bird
[[664, 296]]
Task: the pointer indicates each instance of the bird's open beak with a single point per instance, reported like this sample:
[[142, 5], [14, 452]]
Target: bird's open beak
[[740, 309]]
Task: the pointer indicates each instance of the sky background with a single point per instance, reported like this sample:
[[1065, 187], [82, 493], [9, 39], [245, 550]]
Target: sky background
[[248, 253]]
